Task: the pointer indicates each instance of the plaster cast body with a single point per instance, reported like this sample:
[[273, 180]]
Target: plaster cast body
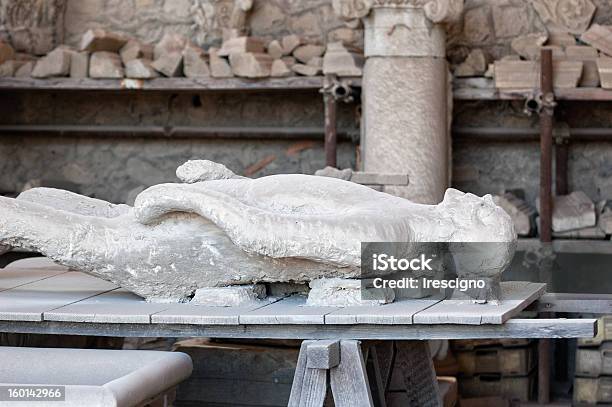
[[279, 228]]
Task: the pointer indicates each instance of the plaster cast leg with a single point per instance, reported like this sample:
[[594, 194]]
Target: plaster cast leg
[[491, 293], [481, 261]]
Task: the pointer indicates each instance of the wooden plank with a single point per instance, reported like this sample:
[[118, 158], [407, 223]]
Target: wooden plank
[[349, 380], [290, 310], [374, 178], [15, 277], [516, 296], [169, 84], [570, 302], [36, 263], [298, 377], [117, 306], [575, 94], [202, 314], [314, 388], [400, 312], [29, 301], [514, 328]]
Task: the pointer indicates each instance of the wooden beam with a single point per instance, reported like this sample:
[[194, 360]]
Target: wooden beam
[[170, 84], [569, 302], [514, 328]]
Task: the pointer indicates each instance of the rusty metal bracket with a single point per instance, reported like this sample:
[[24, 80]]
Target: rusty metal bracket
[[340, 89], [540, 103]]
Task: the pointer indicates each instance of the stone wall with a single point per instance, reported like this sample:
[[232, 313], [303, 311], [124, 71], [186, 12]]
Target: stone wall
[[487, 24], [32, 26], [111, 167], [493, 24], [493, 167], [202, 20]]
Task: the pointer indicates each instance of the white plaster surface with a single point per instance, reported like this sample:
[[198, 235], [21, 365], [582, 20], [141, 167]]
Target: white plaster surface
[[342, 292], [233, 296]]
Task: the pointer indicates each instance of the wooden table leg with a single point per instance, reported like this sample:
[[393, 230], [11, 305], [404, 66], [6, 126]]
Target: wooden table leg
[[348, 375], [349, 380], [309, 383]]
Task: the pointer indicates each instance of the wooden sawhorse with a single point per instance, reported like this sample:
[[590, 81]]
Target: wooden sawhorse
[[359, 378]]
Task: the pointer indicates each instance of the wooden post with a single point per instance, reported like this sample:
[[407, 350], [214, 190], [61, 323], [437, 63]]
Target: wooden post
[[546, 204], [349, 380]]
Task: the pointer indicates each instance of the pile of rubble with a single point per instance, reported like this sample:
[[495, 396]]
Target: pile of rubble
[[581, 58], [107, 55], [575, 216]]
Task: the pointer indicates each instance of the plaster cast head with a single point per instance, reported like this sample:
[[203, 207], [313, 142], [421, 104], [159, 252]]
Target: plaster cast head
[[475, 219]]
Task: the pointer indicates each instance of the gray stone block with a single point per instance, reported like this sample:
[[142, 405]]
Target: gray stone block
[[105, 65], [96, 40], [54, 64], [140, 69], [79, 65]]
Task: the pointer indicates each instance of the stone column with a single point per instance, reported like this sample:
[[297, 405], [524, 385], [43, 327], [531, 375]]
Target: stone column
[[404, 91]]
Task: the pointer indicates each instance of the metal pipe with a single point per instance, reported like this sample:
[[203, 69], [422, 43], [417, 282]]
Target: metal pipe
[[546, 135], [518, 134], [238, 133]]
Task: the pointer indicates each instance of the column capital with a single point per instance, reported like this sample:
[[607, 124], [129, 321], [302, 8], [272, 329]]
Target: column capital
[[443, 11], [438, 11]]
